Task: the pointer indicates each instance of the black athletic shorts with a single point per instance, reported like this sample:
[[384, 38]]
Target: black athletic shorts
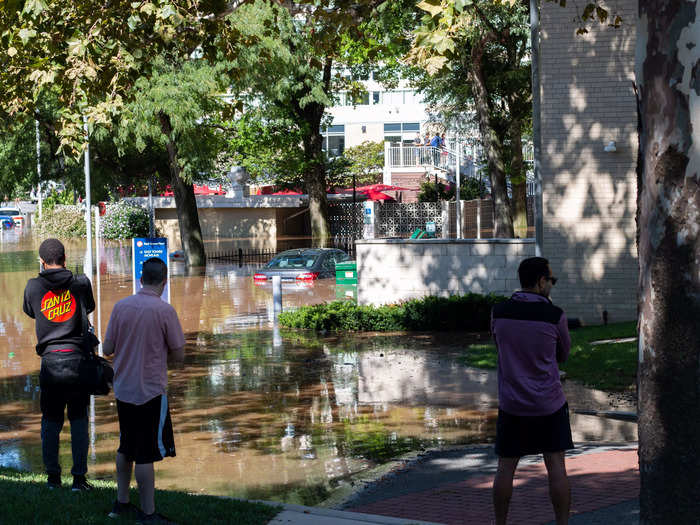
[[518, 436], [145, 431]]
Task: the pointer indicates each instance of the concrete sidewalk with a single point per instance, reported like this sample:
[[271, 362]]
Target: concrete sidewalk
[[454, 488]]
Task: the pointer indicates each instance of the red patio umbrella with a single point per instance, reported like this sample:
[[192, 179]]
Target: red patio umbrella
[[375, 187], [373, 195]]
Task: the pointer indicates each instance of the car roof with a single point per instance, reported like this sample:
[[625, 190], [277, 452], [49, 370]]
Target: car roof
[[306, 251]]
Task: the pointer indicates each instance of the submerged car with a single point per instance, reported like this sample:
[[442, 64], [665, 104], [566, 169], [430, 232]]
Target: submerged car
[[301, 265], [14, 214]]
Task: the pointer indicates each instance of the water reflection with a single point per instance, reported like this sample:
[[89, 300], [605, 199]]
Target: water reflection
[[258, 412]]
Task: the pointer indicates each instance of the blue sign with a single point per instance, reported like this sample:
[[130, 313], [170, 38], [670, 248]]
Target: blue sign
[[143, 248]]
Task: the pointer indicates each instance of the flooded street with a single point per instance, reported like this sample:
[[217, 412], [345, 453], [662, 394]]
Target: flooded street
[[260, 412]]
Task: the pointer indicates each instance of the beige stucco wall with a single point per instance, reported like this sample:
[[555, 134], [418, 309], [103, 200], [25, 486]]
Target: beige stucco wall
[[251, 227], [393, 270], [589, 196], [374, 132]]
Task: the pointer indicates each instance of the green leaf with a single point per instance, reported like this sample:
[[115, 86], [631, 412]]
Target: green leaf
[[11, 51], [431, 6], [133, 21], [25, 34], [460, 5], [34, 7]]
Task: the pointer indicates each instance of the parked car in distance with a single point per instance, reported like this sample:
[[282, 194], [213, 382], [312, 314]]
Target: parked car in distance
[[301, 265], [6, 222], [15, 214]]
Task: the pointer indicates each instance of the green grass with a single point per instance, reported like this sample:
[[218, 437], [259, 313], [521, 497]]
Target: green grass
[[27, 500], [610, 366]]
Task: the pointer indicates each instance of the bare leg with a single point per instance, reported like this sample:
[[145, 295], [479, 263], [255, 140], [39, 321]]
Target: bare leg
[[503, 488], [124, 467], [146, 479], [559, 488]]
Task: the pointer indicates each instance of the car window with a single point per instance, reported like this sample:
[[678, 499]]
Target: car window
[[341, 256], [9, 211], [329, 263], [292, 261]]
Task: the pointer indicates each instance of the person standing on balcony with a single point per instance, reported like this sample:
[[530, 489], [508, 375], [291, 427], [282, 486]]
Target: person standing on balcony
[[435, 145], [417, 143], [443, 153]]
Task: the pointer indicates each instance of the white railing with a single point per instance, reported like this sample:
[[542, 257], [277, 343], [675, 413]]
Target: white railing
[[422, 156]]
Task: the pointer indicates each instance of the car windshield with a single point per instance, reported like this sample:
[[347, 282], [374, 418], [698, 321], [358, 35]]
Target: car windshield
[[9, 211], [293, 261]]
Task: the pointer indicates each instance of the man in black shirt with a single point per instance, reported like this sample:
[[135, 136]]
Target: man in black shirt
[[53, 300]]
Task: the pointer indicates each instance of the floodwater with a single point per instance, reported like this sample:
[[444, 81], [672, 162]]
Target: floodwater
[[260, 412]]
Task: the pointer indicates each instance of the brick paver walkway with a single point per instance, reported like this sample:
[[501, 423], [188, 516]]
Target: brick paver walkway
[[597, 480]]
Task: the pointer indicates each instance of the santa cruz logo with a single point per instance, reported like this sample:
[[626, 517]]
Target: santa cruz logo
[[58, 307]]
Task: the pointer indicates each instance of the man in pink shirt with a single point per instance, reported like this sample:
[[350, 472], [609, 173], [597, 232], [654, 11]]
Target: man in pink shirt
[[144, 334]]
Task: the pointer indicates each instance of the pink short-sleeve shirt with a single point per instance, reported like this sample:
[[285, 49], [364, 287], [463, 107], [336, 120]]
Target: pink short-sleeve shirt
[[143, 328]]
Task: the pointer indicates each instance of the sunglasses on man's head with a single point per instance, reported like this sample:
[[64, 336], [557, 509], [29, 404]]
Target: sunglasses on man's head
[[551, 279]]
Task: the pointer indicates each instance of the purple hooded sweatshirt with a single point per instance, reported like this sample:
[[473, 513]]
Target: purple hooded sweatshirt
[[532, 336]]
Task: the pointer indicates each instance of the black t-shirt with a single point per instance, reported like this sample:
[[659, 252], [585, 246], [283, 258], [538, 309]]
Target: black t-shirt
[[53, 300]]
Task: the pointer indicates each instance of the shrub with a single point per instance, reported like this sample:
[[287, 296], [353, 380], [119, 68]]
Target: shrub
[[60, 220], [124, 221], [470, 312]]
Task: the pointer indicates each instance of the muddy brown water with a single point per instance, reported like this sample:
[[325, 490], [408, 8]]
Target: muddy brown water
[[261, 412]]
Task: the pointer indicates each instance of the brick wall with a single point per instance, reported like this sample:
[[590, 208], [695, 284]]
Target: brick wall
[[589, 196]]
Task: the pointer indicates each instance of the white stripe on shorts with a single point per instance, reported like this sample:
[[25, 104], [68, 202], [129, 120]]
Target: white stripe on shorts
[[161, 423]]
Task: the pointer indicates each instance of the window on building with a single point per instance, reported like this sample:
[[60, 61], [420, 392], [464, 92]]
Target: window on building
[[376, 97], [359, 100], [401, 131], [334, 140]]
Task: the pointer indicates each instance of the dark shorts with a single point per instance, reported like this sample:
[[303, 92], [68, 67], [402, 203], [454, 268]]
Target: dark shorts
[[145, 431], [518, 436]]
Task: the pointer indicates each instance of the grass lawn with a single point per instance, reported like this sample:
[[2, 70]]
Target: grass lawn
[[26, 499], [610, 366]]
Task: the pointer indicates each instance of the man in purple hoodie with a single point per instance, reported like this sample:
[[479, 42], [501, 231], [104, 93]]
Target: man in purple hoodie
[[532, 337]]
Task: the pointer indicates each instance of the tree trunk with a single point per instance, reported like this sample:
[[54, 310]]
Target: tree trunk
[[518, 180], [187, 215], [316, 184], [503, 222], [668, 218], [316, 188]]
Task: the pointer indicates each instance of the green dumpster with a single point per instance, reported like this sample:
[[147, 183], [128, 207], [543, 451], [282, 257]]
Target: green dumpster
[[346, 273], [346, 291]]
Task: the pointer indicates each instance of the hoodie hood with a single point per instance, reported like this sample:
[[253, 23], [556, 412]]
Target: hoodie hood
[[530, 297], [56, 278]]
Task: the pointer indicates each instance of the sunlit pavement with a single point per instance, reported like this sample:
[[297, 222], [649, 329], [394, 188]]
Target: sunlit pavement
[[604, 485]]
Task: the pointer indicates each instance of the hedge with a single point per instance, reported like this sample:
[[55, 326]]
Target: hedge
[[470, 312], [120, 221]]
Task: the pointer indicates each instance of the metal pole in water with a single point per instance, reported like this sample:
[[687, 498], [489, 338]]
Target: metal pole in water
[[38, 161], [459, 200], [277, 294], [88, 219], [151, 214], [97, 280]]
